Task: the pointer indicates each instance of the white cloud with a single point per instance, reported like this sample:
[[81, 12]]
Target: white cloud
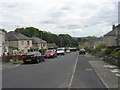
[[75, 17]]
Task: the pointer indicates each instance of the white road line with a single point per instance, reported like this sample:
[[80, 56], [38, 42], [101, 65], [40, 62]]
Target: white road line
[[71, 79]]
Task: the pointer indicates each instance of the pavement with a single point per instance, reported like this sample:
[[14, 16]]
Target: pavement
[[67, 71], [109, 74]]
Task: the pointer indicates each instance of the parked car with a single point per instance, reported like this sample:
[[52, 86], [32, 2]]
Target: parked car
[[32, 57], [68, 51], [82, 51], [61, 51], [50, 53]]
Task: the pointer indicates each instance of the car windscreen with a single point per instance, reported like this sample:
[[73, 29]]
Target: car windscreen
[[49, 51], [60, 49], [38, 54], [33, 53], [82, 49]]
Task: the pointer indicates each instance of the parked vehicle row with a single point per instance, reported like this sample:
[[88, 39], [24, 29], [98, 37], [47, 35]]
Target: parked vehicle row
[[36, 57]]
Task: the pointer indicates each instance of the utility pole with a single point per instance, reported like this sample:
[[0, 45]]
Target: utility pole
[[41, 42]]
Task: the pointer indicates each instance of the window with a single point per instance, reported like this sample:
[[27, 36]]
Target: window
[[28, 43]]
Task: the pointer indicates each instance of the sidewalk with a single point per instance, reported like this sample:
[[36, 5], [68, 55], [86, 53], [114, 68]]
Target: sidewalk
[[106, 72], [8, 65]]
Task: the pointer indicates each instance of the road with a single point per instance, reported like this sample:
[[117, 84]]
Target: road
[[67, 71]]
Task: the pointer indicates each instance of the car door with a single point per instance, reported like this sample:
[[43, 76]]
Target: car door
[[40, 57]]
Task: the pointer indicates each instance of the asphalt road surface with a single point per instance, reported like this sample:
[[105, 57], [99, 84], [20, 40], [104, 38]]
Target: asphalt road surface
[[67, 71]]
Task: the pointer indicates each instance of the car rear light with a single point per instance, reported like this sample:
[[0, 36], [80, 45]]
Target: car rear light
[[34, 56], [23, 56]]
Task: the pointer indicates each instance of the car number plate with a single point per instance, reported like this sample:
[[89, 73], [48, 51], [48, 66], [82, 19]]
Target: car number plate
[[28, 60]]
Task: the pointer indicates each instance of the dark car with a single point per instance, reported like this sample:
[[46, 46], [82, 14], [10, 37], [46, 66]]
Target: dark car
[[82, 51], [32, 57], [50, 53]]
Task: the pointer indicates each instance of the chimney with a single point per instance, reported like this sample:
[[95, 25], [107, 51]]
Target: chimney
[[17, 30], [113, 27]]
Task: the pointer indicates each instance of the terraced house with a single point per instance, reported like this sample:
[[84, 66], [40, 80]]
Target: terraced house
[[3, 44], [38, 43], [112, 38], [18, 43]]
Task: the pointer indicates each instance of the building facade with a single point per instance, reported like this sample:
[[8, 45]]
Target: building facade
[[3, 44], [38, 43], [18, 43], [112, 38]]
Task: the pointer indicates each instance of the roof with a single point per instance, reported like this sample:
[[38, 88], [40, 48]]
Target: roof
[[111, 33], [37, 40], [51, 45], [14, 48], [12, 36]]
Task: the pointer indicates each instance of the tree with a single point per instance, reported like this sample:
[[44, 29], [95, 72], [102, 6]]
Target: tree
[[3, 30], [61, 40]]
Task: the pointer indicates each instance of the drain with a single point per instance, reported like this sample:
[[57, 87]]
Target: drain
[[88, 69]]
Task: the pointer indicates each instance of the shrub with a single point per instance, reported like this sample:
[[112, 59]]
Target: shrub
[[108, 51]]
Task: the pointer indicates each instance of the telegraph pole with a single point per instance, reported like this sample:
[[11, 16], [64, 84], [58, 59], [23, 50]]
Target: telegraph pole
[[41, 42]]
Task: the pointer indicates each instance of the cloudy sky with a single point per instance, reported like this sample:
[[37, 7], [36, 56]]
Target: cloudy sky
[[75, 17]]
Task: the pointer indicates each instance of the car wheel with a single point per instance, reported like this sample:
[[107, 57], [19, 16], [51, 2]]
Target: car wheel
[[56, 56], [53, 56], [25, 62], [37, 60]]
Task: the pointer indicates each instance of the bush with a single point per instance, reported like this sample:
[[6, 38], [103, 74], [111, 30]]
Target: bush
[[6, 58], [108, 51], [101, 46], [115, 54]]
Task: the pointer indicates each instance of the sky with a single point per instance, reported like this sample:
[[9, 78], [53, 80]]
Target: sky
[[79, 18]]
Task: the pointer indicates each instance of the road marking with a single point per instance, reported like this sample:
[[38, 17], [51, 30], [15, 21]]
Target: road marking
[[71, 79]]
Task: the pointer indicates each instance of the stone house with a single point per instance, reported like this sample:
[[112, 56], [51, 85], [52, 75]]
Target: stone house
[[112, 38], [18, 43], [38, 43], [3, 44], [51, 45]]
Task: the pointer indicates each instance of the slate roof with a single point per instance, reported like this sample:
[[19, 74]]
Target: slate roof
[[37, 40], [51, 45], [111, 33], [13, 36]]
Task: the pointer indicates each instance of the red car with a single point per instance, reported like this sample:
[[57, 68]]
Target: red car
[[50, 53]]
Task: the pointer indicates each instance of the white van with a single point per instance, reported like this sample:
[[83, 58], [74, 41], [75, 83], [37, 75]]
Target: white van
[[61, 51]]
